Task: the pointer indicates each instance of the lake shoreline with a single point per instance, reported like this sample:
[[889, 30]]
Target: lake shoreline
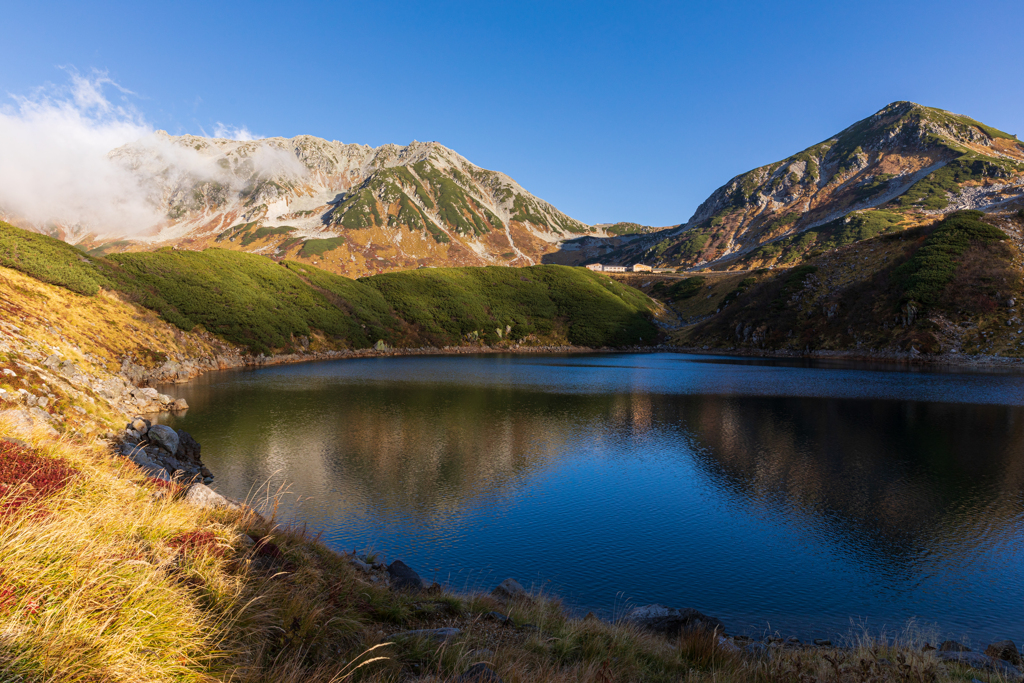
[[896, 359]]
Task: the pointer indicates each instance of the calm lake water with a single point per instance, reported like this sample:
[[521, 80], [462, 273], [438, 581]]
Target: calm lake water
[[776, 496]]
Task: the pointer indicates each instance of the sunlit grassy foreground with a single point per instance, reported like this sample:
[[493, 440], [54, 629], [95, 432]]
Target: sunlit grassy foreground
[[106, 575]]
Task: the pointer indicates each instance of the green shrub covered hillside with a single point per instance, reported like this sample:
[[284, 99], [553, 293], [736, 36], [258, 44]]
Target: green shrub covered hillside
[[269, 306]]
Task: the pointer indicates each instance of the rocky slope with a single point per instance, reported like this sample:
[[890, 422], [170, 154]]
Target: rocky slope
[[349, 208], [949, 291], [916, 162]]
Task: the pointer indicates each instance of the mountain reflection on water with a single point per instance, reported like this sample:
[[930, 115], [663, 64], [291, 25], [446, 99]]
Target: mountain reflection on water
[[772, 496]]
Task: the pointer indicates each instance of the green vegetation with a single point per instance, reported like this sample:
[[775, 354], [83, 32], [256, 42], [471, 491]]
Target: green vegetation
[[742, 287], [252, 301], [251, 232], [679, 290], [931, 191], [627, 229], [925, 276], [792, 280], [877, 185], [454, 205], [523, 211], [244, 298], [108, 247], [585, 308], [854, 227], [358, 210], [783, 221], [50, 260], [319, 247]]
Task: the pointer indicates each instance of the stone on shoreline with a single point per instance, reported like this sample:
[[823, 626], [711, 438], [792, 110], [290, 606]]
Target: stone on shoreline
[[202, 495], [509, 589], [404, 578], [671, 621], [1005, 650], [164, 437]]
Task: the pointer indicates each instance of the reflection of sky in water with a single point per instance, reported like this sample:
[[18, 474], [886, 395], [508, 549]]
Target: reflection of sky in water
[[760, 492]]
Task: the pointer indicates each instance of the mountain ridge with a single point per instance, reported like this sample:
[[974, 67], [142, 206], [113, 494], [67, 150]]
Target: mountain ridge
[[354, 209], [918, 161]]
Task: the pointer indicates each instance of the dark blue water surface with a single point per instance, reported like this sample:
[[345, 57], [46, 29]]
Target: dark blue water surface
[[773, 495]]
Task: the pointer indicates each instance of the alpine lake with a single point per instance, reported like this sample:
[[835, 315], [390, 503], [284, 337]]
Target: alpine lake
[[784, 497]]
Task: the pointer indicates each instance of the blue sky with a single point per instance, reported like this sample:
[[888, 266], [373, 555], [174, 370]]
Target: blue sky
[[612, 111]]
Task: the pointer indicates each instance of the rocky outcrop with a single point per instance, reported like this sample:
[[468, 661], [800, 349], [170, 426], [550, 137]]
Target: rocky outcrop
[[163, 452]]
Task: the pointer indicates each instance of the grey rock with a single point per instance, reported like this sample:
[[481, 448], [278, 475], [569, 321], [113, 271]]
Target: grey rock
[[440, 635], [202, 495], [360, 565], [671, 621], [479, 673], [188, 449], [509, 589], [403, 577], [164, 437], [727, 646], [1006, 650], [498, 617], [27, 421]]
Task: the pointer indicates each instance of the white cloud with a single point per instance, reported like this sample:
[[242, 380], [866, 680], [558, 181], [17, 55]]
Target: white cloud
[[232, 133], [56, 166], [53, 163]]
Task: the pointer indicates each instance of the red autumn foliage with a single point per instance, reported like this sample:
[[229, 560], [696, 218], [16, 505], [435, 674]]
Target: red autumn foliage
[[9, 599], [172, 487], [197, 542], [26, 476]]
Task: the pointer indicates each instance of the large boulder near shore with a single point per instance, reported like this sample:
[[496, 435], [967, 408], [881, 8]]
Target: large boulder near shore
[[1005, 650], [671, 621], [201, 495], [953, 646], [509, 589], [164, 437], [188, 449], [403, 577]]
